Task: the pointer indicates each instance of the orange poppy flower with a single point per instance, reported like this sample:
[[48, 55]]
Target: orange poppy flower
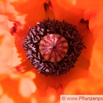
[[29, 86]]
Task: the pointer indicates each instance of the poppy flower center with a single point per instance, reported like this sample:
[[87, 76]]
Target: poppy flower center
[[53, 47]]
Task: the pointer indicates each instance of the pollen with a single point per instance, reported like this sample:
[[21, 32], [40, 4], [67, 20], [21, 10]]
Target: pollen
[[53, 47]]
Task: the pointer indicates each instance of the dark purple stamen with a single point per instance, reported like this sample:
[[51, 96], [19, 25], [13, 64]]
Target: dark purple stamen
[[48, 5], [85, 22], [32, 43]]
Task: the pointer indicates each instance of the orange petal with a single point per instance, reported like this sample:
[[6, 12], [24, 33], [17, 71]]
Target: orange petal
[[27, 87], [5, 99]]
